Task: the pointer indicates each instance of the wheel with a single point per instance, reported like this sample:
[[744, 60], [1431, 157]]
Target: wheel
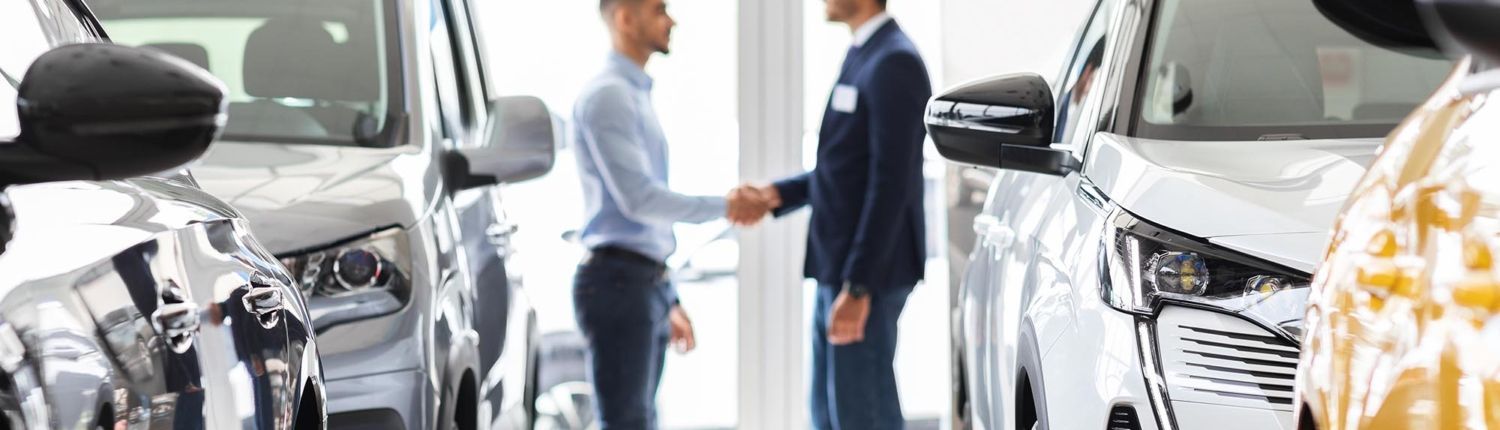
[[533, 378], [567, 406], [533, 390], [565, 400]]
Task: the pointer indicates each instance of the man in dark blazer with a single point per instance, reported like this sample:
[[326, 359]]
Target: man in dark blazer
[[866, 242]]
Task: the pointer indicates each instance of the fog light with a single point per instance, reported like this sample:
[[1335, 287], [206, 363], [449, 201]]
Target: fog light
[[1262, 285], [1179, 273], [357, 268]]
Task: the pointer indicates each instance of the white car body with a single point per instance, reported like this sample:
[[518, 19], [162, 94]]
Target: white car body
[[1046, 335], [1033, 277]]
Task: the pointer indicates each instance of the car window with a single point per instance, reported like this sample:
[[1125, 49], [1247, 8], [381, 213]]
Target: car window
[[28, 29], [450, 102], [1270, 70], [1082, 76], [297, 71]]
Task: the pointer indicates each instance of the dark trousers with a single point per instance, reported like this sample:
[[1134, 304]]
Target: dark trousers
[[854, 386], [622, 307]]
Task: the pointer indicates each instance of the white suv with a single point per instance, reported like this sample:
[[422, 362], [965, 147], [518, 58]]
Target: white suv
[[1144, 251]]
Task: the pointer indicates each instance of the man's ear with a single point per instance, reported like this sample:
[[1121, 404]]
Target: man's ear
[[620, 16]]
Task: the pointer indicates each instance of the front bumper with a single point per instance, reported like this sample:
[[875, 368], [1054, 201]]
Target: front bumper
[[1219, 368], [1102, 372], [388, 401]]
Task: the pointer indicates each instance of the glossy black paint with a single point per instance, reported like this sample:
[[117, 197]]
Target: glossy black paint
[[1474, 25], [7, 222], [1388, 23], [1003, 122], [98, 111], [142, 302], [185, 320]]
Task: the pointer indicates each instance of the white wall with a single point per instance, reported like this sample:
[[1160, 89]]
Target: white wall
[[988, 37]]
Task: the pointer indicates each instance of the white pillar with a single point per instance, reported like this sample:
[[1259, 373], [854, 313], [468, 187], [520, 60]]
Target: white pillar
[[772, 391]]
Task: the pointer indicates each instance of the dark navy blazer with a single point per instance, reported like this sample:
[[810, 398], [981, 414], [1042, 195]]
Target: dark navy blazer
[[866, 191]]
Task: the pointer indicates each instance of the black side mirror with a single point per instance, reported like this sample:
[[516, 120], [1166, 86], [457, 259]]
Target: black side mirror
[[1003, 122], [1389, 23], [99, 111], [7, 223], [1466, 25]]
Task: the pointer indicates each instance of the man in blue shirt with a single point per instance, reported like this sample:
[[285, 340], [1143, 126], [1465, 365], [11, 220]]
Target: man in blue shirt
[[625, 305], [866, 240]]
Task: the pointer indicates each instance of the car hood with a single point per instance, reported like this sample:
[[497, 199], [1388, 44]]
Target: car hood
[[1222, 190], [304, 197]]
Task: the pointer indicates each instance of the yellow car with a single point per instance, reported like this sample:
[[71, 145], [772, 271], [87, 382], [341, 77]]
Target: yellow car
[[1403, 327]]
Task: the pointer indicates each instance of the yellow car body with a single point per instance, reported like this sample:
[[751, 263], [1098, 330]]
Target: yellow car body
[[1404, 317]]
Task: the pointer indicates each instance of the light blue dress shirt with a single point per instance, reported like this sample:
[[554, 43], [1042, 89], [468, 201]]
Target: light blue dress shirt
[[622, 162]]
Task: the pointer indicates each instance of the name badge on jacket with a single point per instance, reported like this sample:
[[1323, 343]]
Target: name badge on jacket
[[845, 98]]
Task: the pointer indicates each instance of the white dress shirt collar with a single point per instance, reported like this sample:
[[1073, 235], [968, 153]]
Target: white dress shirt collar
[[863, 34]]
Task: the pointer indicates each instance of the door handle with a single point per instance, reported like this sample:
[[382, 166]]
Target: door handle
[[989, 228], [263, 299], [179, 323], [500, 234]]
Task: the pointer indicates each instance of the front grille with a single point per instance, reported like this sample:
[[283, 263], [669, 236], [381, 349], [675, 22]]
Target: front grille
[[1123, 417], [1214, 358]]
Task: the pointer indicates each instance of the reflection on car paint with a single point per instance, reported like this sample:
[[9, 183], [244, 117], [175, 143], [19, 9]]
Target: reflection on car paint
[[1402, 329]]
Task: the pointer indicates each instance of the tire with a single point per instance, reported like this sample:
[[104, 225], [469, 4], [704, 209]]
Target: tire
[[533, 390], [534, 375], [565, 399]]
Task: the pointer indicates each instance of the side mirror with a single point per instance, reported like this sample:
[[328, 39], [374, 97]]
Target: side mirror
[[7, 223], [1003, 122], [521, 143], [1466, 24], [99, 111], [1388, 23]]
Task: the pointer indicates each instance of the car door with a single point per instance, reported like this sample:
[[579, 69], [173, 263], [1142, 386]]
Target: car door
[[194, 316], [1021, 208], [486, 230]]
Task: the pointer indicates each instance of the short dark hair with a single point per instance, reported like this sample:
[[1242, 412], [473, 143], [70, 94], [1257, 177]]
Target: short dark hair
[[881, 3], [605, 5]]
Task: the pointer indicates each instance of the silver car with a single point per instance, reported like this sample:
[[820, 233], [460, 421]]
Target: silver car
[[131, 303], [364, 147]]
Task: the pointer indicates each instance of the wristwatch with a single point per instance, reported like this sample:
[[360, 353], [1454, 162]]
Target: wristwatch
[[858, 291]]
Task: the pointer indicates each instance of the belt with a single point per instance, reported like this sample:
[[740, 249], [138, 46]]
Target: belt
[[618, 253]]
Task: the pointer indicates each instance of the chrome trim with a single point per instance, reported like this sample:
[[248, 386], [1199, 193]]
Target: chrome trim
[[1156, 385]]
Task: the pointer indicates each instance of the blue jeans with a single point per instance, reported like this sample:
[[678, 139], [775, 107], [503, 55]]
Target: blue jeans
[[622, 307], [854, 386]]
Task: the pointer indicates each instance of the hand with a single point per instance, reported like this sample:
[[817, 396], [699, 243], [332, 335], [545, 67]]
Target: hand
[[682, 338], [847, 323], [748, 204], [768, 192]]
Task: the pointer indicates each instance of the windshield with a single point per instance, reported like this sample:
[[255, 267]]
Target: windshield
[[1273, 70], [298, 71]]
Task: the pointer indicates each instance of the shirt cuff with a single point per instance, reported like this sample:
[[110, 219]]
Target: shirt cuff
[[716, 207]]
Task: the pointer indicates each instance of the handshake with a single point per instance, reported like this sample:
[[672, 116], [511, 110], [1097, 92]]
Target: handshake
[[749, 204]]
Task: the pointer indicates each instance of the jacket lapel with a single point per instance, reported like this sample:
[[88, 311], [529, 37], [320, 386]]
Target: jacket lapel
[[854, 62]]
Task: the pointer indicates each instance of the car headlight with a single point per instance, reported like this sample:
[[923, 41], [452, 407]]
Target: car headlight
[[369, 263], [1149, 266], [358, 279]]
